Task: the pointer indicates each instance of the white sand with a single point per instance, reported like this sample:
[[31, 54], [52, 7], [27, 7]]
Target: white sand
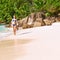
[[45, 43]]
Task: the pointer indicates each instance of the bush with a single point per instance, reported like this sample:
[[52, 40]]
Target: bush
[[22, 8]]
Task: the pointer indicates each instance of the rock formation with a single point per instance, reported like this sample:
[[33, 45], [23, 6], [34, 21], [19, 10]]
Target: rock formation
[[37, 19]]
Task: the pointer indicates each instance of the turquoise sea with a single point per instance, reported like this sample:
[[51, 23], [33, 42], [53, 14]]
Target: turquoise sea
[[2, 28], [4, 32]]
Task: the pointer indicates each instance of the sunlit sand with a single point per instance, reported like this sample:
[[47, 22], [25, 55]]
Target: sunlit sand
[[39, 43]]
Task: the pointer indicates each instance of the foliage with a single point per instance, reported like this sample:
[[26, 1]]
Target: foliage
[[22, 8]]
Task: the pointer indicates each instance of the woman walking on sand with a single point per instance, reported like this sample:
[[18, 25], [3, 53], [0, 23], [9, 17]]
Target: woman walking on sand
[[14, 24]]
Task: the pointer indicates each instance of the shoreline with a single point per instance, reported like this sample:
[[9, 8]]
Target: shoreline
[[24, 32]]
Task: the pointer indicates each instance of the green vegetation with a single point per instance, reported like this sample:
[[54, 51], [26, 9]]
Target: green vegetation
[[22, 8]]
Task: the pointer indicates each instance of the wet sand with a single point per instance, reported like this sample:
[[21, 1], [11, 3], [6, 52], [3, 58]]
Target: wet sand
[[11, 49]]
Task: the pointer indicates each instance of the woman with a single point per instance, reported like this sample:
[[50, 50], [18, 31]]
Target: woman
[[14, 24]]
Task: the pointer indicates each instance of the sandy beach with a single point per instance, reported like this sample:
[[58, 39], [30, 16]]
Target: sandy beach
[[39, 43]]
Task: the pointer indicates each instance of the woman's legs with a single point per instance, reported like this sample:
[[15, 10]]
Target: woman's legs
[[14, 30]]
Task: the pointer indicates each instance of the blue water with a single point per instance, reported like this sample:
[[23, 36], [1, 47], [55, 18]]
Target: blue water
[[4, 32], [2, 28]]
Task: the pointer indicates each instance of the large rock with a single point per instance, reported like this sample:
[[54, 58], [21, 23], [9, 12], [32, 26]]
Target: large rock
[[40, 15], [37, 19], [25, 20], [25, 26], [58, 14], [22, 22], [33, 20], [47, 22], [53, 19], [33, 16], [37, 24], [40, 20], [30, 19], [57, 19]]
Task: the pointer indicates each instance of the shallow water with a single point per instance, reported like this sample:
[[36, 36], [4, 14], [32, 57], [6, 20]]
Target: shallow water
[[2, 28], [4, 31]]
